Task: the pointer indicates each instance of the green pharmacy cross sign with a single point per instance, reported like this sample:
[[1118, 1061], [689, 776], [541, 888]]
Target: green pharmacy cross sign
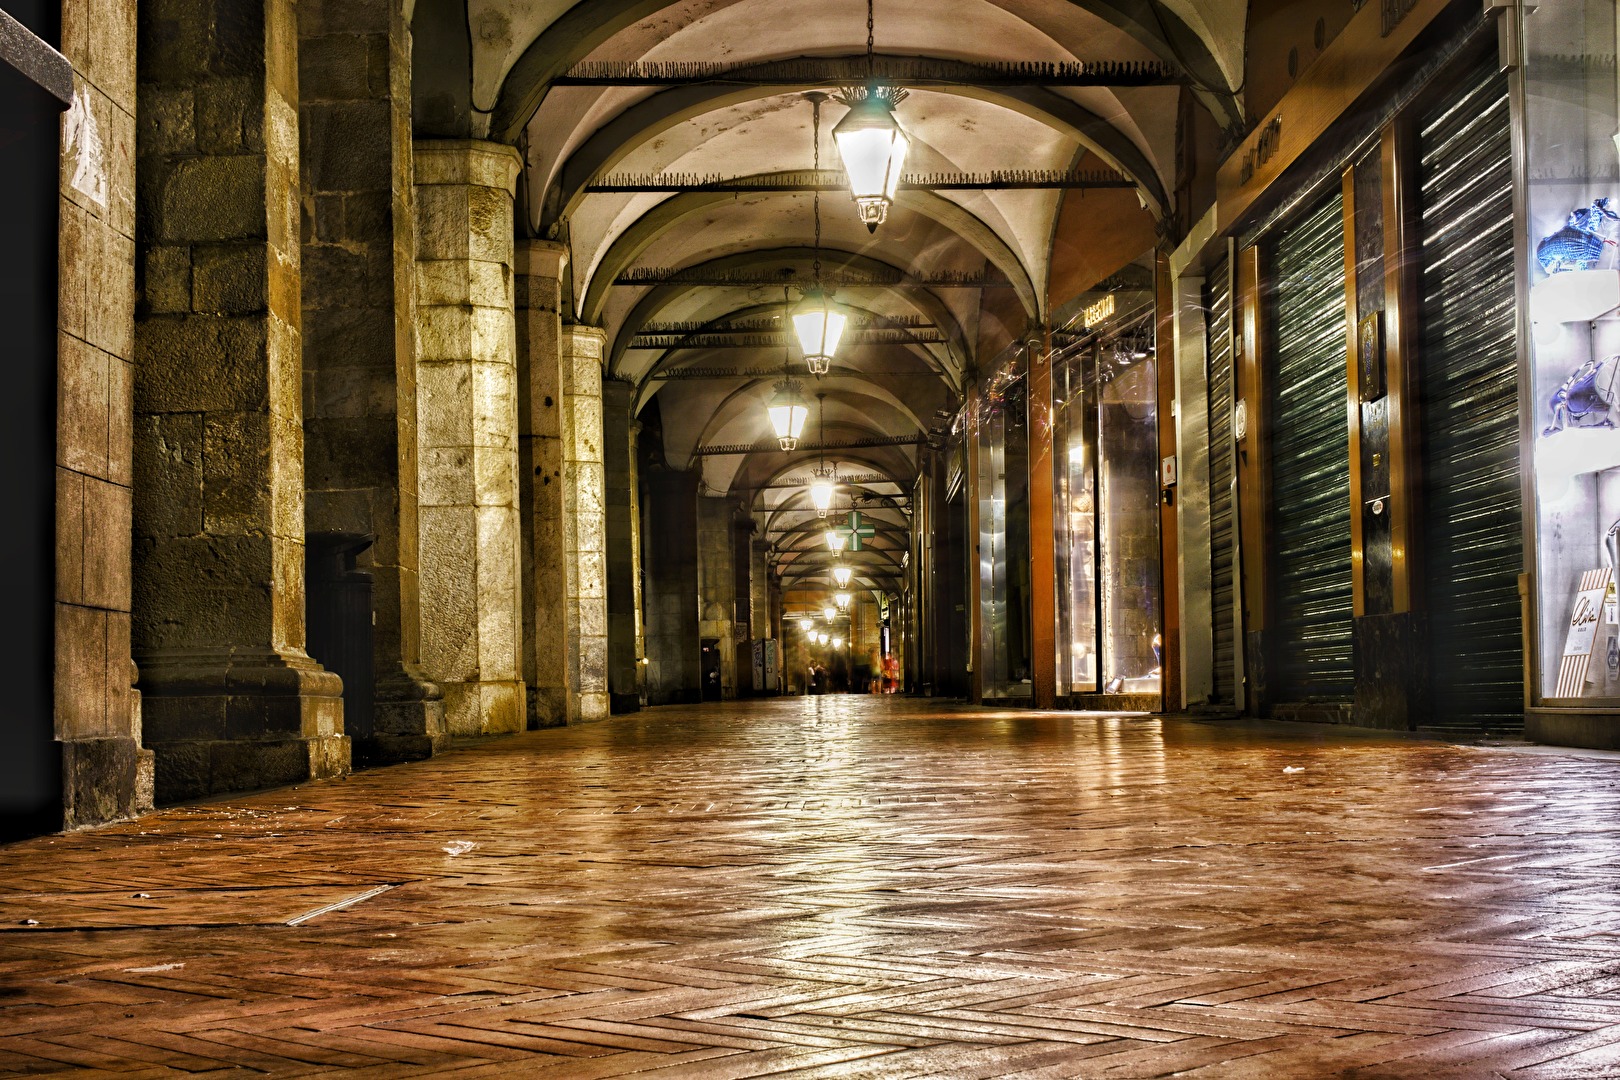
[[858, 530]]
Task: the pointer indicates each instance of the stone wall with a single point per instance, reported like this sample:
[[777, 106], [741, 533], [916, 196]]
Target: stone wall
[[106, 773], [467, 431]]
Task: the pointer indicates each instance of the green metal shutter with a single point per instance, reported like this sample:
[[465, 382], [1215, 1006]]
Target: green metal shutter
[[1222, 515], [1312, 658], [1468, 374]]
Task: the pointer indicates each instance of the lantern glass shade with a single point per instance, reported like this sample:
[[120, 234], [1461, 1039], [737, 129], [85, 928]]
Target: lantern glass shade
[[829, 613], [819, 328], [807, 625], [841, 574], [842, 600], [788, 413], [836, 540], [821, 494], [821, 639], [874, 150], [838, 643]]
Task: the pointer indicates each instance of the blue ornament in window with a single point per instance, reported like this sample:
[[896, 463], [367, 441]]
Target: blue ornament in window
[[1587, 398], [1579, 244]]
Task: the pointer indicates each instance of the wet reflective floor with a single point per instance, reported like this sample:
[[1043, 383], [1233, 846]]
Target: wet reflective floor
[[854, 886]]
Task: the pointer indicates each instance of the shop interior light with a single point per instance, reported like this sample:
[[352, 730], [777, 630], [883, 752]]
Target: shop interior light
[[841, 575]]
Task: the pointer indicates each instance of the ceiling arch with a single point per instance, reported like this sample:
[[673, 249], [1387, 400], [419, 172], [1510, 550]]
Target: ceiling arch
[[518, 75], [634, 240], [649, 118]]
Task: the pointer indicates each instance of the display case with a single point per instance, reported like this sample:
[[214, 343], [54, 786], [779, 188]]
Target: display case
[[1572, 209]]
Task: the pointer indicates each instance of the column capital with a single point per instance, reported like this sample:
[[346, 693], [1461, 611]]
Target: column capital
[[582, 340], [474, 162], [540, 258]]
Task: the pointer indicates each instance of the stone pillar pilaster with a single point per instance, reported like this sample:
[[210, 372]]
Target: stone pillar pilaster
[[584, 524], [467, 432], [669, 527], [623, 556], [360, 425], [540, 265], [231, 700]]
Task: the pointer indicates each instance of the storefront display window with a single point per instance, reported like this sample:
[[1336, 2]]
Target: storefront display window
[[1105, 453], [1573, 210], [1003, 431]]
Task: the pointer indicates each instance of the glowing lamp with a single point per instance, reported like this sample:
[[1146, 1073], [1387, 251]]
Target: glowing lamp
[[807, 625], [788, 413], [841, 575], [842, 600], [836, 540], [874, 149], [821, 493], [829, 613], [819, 328]]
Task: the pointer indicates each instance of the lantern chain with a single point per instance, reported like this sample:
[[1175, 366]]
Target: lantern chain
[[815, 121]]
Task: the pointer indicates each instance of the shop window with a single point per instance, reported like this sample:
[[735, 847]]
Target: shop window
[[1573, 210]]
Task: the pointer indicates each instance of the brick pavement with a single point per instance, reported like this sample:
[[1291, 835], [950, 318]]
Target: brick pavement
[[845, 887]]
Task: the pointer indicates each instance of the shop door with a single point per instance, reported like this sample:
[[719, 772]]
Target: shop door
[[1310, 464], [1222, 505], [1468, 371]]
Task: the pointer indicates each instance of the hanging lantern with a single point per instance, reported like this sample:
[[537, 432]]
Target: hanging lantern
[[836, 540], [821, 639], [822, 488], [788, 413], [841, 575], [819, 327], [829, 613], [838, 643], [807, 625], [842, 600], [873, 148]]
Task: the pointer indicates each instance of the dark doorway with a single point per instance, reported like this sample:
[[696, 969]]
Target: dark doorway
[[339, 625], [711, 669]]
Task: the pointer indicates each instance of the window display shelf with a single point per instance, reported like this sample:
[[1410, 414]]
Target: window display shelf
[[1575, 296]]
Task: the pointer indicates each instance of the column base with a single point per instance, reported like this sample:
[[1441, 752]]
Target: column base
[[484, 708], [588, 708], [407, 722], [548, 707], [223, 721], [104, 780]]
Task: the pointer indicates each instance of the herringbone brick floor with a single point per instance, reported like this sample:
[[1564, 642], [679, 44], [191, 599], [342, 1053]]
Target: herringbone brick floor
[[845, 887]]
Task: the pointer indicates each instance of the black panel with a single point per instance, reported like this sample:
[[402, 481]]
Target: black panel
[[1312, 659], [1468, 369], [1222, 509]]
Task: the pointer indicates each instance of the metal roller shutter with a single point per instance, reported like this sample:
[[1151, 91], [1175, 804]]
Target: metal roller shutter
[[1222, 516], [1310, 463], [1468, 374]]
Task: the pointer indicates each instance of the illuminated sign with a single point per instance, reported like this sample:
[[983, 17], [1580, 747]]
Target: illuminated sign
[[1099, 311]]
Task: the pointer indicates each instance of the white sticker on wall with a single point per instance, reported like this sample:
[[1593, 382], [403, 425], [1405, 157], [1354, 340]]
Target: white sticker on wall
[[82, 143]]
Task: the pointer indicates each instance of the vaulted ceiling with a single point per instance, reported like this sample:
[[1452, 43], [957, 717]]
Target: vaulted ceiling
[[654, 267]]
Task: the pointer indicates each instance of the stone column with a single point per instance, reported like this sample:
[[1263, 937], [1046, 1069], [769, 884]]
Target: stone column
[[468, 432], [623, 550], [669, 528], [360, 342], [540, 265], [717, 586], [584, 525], [231, 701]]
